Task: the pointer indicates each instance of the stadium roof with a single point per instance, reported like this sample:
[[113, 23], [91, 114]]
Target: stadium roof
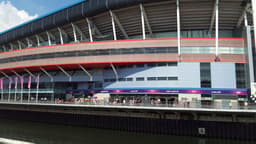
[[161, 16]]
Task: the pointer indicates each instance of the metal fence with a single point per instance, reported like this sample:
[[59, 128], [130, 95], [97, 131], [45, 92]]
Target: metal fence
[[106, 102]]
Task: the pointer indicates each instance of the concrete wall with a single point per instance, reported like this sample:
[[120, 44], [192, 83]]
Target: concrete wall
[[188, 76], [223, 75]]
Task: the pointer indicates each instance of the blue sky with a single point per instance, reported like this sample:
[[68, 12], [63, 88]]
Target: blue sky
[[17, 12], [41, 7]]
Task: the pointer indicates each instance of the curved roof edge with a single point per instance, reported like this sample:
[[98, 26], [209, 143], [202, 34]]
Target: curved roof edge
[[88, 8]]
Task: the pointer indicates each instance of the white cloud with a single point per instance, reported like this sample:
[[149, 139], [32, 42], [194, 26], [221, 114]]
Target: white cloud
[[10, 16]]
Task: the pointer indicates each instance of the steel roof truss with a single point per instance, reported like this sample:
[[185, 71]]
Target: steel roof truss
[[119, 24], [146, 18], [241, 18], [213, 16], [66, 73], [94, 28]]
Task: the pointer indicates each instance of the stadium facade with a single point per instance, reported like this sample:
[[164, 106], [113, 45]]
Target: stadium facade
[[171, 50]]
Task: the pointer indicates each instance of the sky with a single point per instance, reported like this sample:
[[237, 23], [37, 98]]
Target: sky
[[16, 12]]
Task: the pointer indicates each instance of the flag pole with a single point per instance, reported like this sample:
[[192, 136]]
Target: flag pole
[[15, 91], [37, 87], [10, 86], [29, 86], [21, 87]]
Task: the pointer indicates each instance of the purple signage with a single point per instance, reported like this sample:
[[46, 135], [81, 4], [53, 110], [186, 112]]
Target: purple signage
[[167, 91]]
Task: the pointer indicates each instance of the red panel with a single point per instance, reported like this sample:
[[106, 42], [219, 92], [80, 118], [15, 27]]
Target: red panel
[[113, 41]]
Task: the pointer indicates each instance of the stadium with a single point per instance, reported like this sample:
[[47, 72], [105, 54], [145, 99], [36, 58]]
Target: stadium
[[138, 51]]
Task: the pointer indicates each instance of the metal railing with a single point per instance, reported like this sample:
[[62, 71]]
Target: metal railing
[[95, 102]]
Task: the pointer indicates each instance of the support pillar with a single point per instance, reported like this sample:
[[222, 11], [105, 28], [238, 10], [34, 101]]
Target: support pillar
[[9, 87], [16, 85], [113, 24], [114, 70], [29, 79], [51, 79], [61, 37], [49, 38], [74, 32], [66, 73], [254, 19], [217, 28], [178, 26], [89, 75], [89, 29], [142, 22]]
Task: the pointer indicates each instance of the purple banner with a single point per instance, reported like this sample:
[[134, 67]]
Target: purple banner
[[167, 91]]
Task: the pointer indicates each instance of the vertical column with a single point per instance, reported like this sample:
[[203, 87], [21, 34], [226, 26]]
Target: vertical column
[[10, 87], [19, 45], [49, 38], [29, 87], [52, 83], [11, 46], [28, 43], [21, 87], [245, 19], [38, 40], [2, 88], [250, 55], [90, 29], [217, 28], [142, 22], [178, 24], [113, 24], [254, 19], [37, 86], [61, 37], [15, 88], [4, 48], [74, 32]]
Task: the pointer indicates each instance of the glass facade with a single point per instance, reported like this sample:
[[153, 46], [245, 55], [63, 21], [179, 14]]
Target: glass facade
[[205, 75], [240, 75]]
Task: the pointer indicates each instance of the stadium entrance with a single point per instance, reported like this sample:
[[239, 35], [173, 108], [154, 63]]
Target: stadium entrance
[[144, 98]]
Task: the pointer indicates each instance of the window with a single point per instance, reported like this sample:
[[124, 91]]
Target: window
[[152, 65], [161, 64], [205, 75], [172, 78], [140, 79], [151, 78], [121, 79], [172, 63], [240, 75], [129, 79], [162, 78], [140, 65]]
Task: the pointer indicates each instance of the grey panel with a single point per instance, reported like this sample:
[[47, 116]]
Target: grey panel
[[223, 75]]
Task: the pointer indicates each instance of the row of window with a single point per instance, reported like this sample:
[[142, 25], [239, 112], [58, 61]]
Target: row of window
[[164, 64], [123, 51], [143, 79], [221, 50]]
